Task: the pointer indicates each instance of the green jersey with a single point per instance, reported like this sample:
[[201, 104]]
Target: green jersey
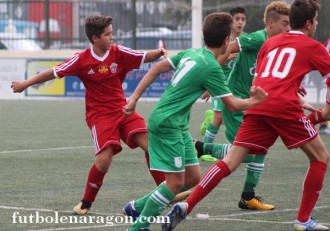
[[196, 70], [228, 66], [241, 76]]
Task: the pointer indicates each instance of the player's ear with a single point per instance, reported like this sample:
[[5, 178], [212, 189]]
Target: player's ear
[[226, 41]]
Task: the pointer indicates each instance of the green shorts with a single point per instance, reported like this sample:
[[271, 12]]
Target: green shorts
[[171, 152], [232, 121], [216, 104]]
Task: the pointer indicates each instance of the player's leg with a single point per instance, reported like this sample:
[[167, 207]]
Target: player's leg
[[134, 134], [319, 158], [166, 154], [207, 120], [106, 141], [212, 127], [210, 180], [254, 166]]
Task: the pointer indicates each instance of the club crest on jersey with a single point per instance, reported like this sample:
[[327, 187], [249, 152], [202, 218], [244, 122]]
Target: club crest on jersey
[[113, 67], [103, 68], [178, 162]]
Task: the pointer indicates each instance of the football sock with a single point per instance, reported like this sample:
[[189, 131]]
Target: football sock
[[253, 174], [316, 117], [311, 190], [209, 181], [210, 133], [218, 151], [154, 206], [140, 203], [94, 183], [158, 176]]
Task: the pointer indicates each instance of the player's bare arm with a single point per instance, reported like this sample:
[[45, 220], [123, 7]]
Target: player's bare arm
[[147, 80], [19, 86], [233, 48], [257, 96], [153, 55]]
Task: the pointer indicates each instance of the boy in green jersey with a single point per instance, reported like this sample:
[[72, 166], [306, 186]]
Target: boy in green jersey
[[213, 118], [170, 145], [276, 18]]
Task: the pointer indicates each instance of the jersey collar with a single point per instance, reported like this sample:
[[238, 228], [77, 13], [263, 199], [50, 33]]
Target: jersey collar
[[98, 57]]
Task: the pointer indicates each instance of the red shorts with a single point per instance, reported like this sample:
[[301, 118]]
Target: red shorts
[[109, 130], [259, 132]]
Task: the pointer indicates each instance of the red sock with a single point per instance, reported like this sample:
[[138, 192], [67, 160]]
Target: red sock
[[94, 183], [316, 117], [209, 181], [159, 177], [312, 188]]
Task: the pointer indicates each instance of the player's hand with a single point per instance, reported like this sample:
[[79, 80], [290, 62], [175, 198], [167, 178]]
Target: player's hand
[[305, 105], [163, 52], [206, 96], [302, 91], [129, 108], [258, 94], [18, 86]]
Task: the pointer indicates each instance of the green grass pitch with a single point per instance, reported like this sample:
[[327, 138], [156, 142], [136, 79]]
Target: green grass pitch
[[46, 151]]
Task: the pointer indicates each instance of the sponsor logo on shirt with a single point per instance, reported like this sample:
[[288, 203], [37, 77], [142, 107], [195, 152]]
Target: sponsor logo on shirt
[[103, 68], [113, 67]]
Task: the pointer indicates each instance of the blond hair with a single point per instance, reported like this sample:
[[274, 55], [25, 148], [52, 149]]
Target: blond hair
[[275, 9]]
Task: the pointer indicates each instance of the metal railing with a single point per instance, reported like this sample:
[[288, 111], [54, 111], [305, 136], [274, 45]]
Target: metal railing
[[141, 24]]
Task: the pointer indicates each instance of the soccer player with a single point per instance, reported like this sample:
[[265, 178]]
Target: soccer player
[[102, 68], [213, 118], [276, 19], [170, 143], [281, 67]]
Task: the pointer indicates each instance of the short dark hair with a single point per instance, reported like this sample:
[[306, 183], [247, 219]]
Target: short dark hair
[[237, 10], [301, 11], [95, 25], [216, 27]]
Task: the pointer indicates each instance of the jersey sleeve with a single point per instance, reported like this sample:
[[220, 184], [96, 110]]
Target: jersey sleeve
[[250, 42], [321, 60], [175, 60], [215, 84], [68, 67], [133, 59]]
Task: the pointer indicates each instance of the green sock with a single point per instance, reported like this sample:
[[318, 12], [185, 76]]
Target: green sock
[[140, 203], [210, 133], [218, 151], [154, 206], [254, 170]]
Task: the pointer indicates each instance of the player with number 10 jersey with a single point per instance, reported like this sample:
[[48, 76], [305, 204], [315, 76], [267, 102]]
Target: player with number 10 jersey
[[283, 67]]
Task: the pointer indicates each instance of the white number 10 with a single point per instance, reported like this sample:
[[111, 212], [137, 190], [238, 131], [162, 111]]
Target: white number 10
[[276, 72]]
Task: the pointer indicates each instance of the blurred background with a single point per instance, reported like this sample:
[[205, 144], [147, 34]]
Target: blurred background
[[139, 24]]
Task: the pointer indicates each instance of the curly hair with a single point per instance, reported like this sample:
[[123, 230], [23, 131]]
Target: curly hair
[[275, 9]]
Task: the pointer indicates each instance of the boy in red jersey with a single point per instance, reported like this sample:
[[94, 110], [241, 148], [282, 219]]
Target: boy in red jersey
[[102, 68], [281, 66]]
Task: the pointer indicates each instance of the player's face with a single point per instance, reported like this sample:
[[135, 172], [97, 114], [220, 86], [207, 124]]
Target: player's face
[[280, 26], [106, 39], [239, 22]]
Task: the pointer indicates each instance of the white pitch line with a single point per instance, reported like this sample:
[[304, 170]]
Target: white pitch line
[[45, 149]]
